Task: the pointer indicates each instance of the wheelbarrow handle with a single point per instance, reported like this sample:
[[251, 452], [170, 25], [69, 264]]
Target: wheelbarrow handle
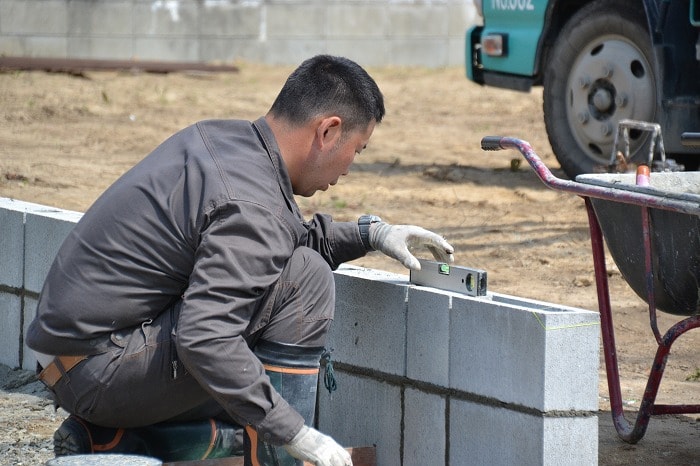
[[492, 143]]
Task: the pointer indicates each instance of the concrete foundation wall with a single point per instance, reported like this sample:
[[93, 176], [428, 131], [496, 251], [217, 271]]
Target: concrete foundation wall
[[433, 377], [372, 32], [429, 377]]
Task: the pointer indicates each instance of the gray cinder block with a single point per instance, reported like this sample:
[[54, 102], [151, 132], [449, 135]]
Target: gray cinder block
[[90, 18], [45, 230], [539, 355], [166, 19], [369, 329], [28, 361], [483, 434], [427, 345], [363, 412], [11, 243], [10, 312], [424, 431], [47, 17]]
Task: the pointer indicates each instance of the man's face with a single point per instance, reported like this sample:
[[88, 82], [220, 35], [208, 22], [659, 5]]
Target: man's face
[[330, 163]]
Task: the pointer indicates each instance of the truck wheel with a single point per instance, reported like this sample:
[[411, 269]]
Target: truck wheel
[[599, 72]]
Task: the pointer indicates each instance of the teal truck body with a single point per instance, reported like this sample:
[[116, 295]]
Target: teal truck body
[[599, 62]]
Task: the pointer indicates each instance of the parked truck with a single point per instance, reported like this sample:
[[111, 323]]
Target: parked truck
[[599, 62]]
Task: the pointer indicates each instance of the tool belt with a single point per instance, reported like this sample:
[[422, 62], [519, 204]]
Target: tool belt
[[60, 366]]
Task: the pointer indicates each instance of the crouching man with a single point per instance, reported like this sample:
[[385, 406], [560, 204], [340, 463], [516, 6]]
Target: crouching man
[[193, 298]]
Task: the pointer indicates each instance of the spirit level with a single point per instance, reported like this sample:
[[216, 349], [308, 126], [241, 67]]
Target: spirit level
[[450, 277]]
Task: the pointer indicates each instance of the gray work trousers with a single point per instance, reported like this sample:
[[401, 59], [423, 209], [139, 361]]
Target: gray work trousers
[[134, 383]]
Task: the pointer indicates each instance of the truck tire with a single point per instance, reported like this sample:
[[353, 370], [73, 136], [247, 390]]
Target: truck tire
[[599, 72]]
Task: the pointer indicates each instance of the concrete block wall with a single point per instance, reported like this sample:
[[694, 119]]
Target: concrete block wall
[[372, 32], [429, 377], [433, 377], [30, 235]]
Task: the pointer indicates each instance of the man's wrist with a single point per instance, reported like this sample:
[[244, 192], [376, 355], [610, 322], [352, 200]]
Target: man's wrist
[[363, 224]]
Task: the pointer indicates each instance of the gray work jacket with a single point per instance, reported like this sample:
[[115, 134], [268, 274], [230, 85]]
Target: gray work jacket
[[209, 216]]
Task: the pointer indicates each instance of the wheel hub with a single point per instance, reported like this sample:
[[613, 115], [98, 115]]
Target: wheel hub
[[610, 80], [601, 100]]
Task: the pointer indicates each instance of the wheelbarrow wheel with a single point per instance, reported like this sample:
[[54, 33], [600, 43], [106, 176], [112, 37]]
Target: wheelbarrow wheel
[[599, 72]]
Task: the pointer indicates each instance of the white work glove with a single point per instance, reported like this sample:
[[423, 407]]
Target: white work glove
[[395, 241], [317, 448]]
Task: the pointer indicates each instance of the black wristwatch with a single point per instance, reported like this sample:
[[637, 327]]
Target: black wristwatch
[[363, 224]]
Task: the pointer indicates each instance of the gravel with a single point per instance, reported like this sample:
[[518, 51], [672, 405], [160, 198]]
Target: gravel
[[28, 419]]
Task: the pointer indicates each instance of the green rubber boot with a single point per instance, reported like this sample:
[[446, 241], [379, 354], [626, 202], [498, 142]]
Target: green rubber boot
[[293, 372], [171, 441]]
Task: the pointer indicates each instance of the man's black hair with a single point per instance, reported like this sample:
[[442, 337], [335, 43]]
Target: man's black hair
[[327, 85]]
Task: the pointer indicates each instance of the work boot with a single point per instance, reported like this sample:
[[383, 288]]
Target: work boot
[[167, 441], [72, 438], [293, 372], [77, 436]]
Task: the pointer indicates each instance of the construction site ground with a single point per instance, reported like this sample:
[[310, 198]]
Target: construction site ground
[[65, 137]]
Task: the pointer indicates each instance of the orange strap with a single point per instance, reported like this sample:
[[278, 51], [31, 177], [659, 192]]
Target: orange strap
[[113, 443], [212, 440], [253, 436], [292, 370]]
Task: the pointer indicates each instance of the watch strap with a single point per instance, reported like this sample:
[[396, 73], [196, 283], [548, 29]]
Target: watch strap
[[363, 224]]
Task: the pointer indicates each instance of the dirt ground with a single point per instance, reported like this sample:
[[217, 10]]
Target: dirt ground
[[64, 139]]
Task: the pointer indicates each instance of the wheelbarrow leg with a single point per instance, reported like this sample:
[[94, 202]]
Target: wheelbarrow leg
[[622, 426], [632, 433]]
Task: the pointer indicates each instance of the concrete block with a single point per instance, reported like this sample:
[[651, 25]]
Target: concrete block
[[45, 231], [10, 315], [367, 51], [291, 50], [87, 17], [229, 50], [15, 243], [353, 21], [293, 21], [166, 19], [418, 20], [231, 19], [279, 32], [426, 51], [166, 48], [363, 412], [369, 329], [23, 17], [427, 354], [529, 353], [482, 434], [28, 360], [115, 48], [34, 46], [461, 15], [424, 433], [456, 50], [8, 203], [11, 246], [571, 354]]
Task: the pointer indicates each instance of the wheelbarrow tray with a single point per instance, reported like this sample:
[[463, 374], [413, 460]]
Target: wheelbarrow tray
[[674, 236]]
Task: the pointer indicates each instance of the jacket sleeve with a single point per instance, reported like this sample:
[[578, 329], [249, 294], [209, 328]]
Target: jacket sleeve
[[242, 253], [337, 242]]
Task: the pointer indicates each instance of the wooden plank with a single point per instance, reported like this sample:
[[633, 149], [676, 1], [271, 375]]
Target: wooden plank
[[361, 456]]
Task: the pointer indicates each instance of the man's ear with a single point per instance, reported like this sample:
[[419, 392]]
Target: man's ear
[[329, 131]]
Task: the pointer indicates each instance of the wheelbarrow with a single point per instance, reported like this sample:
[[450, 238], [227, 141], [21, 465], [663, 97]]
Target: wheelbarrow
[[653, 235]]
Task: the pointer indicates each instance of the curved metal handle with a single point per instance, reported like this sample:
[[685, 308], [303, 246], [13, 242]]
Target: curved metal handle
[[583, 189]]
